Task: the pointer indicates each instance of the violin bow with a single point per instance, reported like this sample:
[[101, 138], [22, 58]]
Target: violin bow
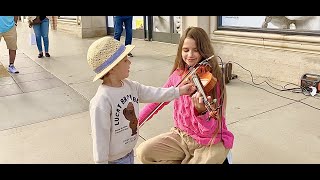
[[194, 69]]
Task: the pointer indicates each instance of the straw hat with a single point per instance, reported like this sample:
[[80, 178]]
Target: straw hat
[[105, 53]]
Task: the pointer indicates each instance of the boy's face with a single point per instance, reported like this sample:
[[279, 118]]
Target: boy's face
[[121, 70]]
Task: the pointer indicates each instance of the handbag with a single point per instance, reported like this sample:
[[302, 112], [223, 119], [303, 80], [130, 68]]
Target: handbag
[[32, 38], [36, 20]]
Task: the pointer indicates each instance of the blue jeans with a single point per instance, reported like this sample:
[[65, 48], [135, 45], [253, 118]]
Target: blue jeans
[[127, 159], [118, 27], [42, 30]]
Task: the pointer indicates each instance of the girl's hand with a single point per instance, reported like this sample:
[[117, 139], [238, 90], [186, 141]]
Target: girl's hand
[[198, 103]]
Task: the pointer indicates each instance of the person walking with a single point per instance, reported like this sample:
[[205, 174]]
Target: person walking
[[40, 26], [119, 21], [8, 31]]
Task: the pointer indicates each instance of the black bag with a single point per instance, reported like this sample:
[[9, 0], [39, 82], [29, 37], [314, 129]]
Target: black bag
[[36, 20]]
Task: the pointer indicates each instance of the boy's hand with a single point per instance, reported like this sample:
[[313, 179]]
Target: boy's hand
[[187, 89]]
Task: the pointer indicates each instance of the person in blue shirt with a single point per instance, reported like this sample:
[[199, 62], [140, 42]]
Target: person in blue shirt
[[9, 33]]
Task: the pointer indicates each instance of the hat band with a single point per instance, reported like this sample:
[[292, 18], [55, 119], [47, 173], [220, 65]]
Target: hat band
[[111, 59]]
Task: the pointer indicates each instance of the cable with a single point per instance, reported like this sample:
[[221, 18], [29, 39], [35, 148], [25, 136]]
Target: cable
[[302, 89], [221, 96]]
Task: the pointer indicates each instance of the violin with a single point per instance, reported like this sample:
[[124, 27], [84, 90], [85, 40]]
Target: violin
[[204, 85], [204, 82], [203, 79]]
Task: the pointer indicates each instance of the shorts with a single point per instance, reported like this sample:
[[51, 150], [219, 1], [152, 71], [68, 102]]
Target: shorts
[[10, 38]]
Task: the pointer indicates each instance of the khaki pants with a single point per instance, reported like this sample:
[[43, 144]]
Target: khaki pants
[[176, 147], [11, 38]]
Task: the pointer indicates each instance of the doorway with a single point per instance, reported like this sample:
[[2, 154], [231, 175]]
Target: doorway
[[152, 28]]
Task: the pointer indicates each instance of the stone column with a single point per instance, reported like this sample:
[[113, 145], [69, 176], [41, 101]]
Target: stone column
[[93, 26], [198, 21]]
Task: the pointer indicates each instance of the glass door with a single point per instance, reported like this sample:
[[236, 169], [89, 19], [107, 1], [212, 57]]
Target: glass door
[[152, 28]]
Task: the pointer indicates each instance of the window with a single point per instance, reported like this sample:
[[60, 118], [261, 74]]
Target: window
[[280, 24]]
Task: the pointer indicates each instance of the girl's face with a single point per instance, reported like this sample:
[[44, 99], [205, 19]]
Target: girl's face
[[190, 53], [122, 68]]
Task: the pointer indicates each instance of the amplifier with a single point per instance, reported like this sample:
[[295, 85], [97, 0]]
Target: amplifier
[[227, 69], [308, 80]]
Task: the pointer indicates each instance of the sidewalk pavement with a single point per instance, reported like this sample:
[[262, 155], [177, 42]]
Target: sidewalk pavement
[[45, 119]]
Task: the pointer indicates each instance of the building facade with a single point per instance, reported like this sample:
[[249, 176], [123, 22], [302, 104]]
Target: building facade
[[279, 47]]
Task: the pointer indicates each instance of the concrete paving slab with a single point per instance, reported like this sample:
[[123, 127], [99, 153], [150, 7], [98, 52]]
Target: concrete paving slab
[[295, 94], [32, 77], [72, 69], [28, 70], [280, 136], [39, 106], [86, 89], [313, 101], [38, 85], [6, 81], [21, 61], [61, 44], [9, 90], [65, 140], [3, 71], [244, 101]]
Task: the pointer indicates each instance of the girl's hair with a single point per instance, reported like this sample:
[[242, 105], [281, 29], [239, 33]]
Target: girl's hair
[[205, 49]]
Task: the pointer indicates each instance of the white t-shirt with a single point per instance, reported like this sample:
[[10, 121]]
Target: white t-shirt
[[114, 135]]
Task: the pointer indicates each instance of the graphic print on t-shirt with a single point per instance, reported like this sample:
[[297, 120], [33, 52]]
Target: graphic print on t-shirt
[[130, 115]]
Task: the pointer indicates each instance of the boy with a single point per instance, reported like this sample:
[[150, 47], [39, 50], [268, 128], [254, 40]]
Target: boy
[[114, 108]]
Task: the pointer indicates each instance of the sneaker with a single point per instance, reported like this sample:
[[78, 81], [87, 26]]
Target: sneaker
[[130, 55], [40, 55], [12, 69], [47, 54]]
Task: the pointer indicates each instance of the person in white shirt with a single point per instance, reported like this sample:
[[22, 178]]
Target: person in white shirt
[[114, 108]]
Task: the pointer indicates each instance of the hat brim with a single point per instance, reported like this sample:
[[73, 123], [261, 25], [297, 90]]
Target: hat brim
[[128, 49]]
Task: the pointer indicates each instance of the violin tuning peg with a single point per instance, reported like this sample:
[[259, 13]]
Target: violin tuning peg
[[214, 101]]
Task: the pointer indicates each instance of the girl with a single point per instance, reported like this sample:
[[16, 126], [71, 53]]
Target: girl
[[194, 139]]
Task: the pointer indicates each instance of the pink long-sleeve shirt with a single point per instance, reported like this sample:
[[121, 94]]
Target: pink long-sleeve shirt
[[188, 120]]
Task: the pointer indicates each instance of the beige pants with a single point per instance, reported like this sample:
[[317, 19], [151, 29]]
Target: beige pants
[[176, 147], [11, 38]]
